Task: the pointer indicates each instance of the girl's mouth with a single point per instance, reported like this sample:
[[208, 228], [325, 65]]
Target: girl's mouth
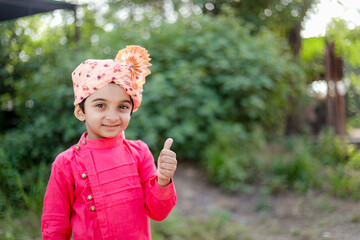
[[111, 126]]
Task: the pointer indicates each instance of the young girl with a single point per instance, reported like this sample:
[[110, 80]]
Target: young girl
[[107, 187]]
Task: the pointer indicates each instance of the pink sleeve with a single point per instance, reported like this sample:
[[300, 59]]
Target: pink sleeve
[[55, 222], [159, 201]]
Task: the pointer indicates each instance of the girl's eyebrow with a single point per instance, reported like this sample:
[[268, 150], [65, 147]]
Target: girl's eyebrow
[[104, 100], [99, 99]]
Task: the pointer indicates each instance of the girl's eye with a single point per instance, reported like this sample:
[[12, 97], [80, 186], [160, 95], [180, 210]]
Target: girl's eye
[[124, 107], [100, 105]]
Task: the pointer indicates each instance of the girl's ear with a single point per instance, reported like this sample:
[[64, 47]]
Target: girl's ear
[[79, 114]]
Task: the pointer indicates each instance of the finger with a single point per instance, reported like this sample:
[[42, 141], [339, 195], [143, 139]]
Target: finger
[[168, 143], [167, 159], [165, 173], [167, 152], [168, 166]]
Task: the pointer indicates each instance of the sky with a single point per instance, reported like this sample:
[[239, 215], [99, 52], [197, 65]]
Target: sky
[[328, 9]]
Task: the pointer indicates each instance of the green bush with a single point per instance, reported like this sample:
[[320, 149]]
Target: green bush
[[43, 103], [25, 226], [236, 158], [232, 157], [345, 178], [298, 171], [330, 149], [217, 226], [211, 72]]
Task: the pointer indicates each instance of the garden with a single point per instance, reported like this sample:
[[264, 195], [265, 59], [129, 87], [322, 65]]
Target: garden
[[226, 81]]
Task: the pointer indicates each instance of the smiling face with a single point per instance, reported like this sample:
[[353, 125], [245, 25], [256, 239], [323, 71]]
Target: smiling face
[[107, 112]]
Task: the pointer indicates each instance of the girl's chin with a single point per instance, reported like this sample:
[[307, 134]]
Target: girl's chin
[[109, 134], [104, 134]]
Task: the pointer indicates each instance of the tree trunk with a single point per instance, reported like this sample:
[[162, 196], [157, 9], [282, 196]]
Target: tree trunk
[[336, 114]]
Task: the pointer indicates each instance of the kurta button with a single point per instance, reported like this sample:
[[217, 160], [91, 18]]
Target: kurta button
[[84, 175], [89, 197], [83, 142], [45, 225], [92, 208], [77, 147]]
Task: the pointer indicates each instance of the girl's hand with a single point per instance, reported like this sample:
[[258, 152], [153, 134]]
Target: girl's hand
[[166, 164]]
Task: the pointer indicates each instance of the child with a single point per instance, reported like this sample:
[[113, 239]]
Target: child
[[107, 187]]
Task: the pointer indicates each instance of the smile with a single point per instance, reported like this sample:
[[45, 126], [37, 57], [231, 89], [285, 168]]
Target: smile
[[111, 126]]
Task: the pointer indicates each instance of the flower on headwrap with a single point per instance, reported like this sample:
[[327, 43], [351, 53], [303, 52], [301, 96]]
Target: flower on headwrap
[[137, 59]]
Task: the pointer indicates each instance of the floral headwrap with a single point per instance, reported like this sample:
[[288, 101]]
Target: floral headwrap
[[128, 70]]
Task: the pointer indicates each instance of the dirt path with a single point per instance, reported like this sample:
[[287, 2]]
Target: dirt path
[[289, 216]]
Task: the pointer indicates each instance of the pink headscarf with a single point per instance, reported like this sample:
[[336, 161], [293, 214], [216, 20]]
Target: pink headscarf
[[128, 70]]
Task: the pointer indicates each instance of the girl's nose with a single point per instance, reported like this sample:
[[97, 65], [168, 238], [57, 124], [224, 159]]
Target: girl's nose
[[112, 117]]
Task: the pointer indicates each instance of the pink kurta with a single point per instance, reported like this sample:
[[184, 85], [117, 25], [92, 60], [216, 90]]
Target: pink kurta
[[104, 189]]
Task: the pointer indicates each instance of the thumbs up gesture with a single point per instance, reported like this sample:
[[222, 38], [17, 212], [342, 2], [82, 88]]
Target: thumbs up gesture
[[166, 164]]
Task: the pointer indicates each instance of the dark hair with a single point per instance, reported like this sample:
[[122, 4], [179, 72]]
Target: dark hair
[[132, 106], [82, 105]]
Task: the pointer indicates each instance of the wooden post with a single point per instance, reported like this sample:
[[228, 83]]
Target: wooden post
[[336, 114]]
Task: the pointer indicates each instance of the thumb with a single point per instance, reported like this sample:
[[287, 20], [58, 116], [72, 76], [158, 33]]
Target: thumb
[[168, 143]]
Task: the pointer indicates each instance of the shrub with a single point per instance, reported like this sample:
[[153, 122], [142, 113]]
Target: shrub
[[231, 159], [298, 171], [217, 226], [345, 178], [236, 158], [212, 70], [330, 149], [209, 72]]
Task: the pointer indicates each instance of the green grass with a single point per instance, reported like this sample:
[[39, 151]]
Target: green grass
[[217, 225], [20, 225], [298, 163]]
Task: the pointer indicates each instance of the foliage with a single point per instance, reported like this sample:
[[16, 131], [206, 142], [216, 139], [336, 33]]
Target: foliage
[[210, 71], [39, 96], [330, 149], [353, 101], [346, 44], [345, 178], [313, 56], [216, 87], [24, 226], [195, 67], [313, 48], [231, 158], [218, 225], [346, 41], [280, 14], [238, 158], [219, 86], [297, 172]]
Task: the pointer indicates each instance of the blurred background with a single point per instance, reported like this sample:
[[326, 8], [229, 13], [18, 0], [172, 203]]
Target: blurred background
[[261, 98]]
